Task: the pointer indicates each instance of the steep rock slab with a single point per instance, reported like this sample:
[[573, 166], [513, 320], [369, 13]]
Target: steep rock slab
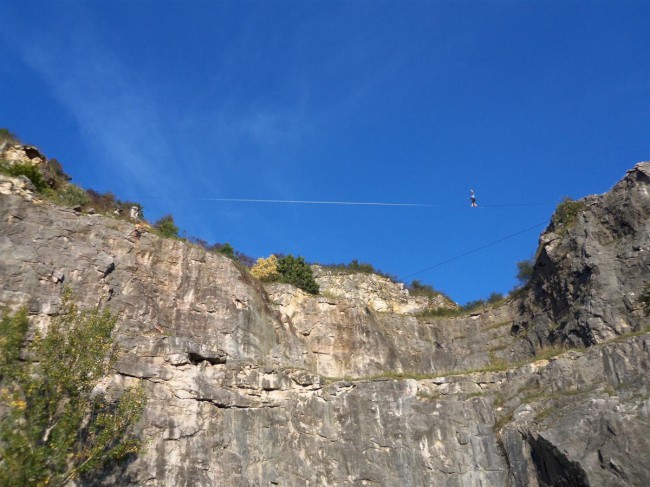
[[223, 408], [157, 286], [589, 274], [346, 336]]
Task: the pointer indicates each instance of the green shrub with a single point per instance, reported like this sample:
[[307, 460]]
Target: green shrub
[[227, 250], [53, 428], [495, 298], [441, 313], [294, 270], [417, 288], [474, 305], [27, 170], [69, 195], [166, 227], [567, 211], [525, 270], [360, 267]]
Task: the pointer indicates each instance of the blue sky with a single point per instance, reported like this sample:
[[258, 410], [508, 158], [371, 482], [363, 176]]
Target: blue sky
[[170, 103]]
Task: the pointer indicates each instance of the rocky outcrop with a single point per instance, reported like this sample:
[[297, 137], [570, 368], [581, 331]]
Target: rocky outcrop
[[252, 384], [20, 186], [377, 292], [50, 169], [589, 275], [22, 154]]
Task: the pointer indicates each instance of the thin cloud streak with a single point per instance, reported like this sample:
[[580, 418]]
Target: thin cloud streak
[[114, 111]]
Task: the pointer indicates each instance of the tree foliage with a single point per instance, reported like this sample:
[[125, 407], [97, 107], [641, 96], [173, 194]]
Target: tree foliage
[[68, 194], [418, 288], [166, 227], [294, 270], [266, 269], [360, 267], [495, 298], [525, 270], [227, 250], [54, 428]]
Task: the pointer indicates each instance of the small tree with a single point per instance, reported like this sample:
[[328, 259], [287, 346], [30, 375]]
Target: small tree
[[227, 250], [294, 270], [495, 297], [525, 269], [266, 269], [54, 428], [166, 227]]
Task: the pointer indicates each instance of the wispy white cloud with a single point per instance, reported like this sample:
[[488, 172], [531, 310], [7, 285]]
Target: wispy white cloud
[[114, 110], [220, 142]]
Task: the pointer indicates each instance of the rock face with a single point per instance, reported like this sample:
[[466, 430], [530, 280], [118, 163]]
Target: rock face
[[22, 154], [377, 292], [589, 275], [252, 384]]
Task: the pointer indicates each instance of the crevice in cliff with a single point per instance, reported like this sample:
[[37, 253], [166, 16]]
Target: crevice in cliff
[[223, 405], [196, 359], [552, 467], [109, 269]]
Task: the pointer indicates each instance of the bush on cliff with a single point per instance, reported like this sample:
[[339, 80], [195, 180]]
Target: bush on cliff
[[225, 249], [525, 270], [360, 267], [287, 269], [68, 195], [166, 227], [266, 269], [418, 288], [29, 171], [294, 270], [566, 212], [54, 428]]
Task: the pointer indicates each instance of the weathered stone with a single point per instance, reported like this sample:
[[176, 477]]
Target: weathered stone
[[589, 276], [236, 372]]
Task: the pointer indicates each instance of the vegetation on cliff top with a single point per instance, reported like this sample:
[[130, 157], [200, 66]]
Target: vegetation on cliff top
[[27, 170], [359, 267], [566, 213], [287, 269], [165, 227], [55, 426], [57, 188]]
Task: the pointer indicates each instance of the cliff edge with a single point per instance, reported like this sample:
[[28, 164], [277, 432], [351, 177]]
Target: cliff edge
[[262, 384]]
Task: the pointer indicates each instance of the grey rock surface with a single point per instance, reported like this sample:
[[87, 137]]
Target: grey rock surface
[[589, 275], [252, 384]]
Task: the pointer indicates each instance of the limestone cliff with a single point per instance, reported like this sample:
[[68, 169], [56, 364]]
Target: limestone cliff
[[251, 384]]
